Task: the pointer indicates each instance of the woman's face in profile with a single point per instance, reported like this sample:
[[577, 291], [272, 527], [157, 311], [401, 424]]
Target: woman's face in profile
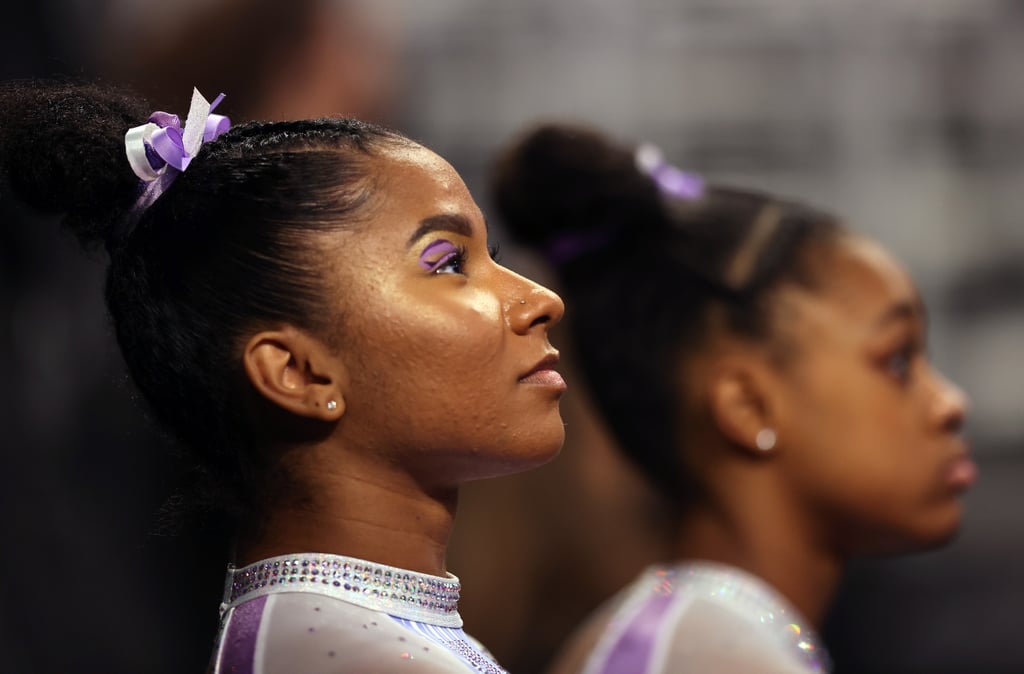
[[450, 372], [870, 430]]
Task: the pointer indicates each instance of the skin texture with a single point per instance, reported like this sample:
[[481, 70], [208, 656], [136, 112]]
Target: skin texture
[[434, 372]]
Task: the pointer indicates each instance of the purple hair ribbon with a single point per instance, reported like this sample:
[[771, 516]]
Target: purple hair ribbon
[[671, 180], [160, 149]]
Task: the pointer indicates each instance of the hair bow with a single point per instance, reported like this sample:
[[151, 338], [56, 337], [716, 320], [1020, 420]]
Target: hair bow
[[671, 180], [160, 149]]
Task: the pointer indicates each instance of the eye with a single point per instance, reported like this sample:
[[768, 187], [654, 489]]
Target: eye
[[900, 363], [452, 263], [443, 257]]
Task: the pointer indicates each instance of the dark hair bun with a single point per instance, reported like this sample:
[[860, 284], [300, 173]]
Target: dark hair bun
[[62, 150], [558, 180]]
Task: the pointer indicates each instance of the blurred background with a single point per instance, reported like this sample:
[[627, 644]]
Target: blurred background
[[905, 116]]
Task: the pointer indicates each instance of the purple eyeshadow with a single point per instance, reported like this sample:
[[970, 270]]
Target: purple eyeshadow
[[436, 253]]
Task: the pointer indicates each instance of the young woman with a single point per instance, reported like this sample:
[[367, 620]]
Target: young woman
[[762, 365], [310, 307]]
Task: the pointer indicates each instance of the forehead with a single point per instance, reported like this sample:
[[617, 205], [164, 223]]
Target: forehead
[[416, 183], [410, 184], [859, 284]]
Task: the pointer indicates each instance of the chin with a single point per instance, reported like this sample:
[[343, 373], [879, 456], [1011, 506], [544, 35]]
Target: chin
[[524, 454], [538, 454], [931, 529], [940, 530], [538, 443], [548, 452], [550, 444], [944, 533]]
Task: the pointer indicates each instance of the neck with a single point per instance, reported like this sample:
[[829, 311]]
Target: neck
[[360, 511], [767, 543]]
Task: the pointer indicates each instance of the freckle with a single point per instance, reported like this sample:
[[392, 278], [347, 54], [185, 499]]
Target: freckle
[[401, 638], [426, 649], [312, 629], [330, 654], [317, 608]]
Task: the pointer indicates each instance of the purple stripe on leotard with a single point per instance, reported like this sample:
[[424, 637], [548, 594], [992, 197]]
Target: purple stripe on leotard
[[632, 652], [239, 641]]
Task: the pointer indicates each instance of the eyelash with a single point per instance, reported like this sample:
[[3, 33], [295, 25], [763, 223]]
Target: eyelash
[[900, 363], [459, 256]]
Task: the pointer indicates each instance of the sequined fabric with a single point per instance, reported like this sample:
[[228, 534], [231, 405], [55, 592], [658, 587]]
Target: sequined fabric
[[698, 615], [327, 614]]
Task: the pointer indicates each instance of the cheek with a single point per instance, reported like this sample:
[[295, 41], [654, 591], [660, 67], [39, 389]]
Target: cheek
[[861, 455], [465, 334], [848, 427], [435, 346]]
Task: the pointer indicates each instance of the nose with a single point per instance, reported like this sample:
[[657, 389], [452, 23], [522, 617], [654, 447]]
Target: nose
[[531, 304], [950, 407]]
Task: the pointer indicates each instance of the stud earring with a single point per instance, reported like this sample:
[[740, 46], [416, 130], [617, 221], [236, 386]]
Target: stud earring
[[331, 405], [765, 439]]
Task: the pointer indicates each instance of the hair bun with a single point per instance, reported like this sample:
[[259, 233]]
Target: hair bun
[[560, 180], [62, 150]]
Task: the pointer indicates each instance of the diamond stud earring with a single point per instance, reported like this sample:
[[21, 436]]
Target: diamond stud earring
[[765, 439]]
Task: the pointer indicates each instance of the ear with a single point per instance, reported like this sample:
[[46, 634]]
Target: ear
[[296, 372], [741, 393]]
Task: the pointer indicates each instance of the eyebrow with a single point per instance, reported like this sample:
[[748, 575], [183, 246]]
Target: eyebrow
[[905, 310], [455, 223]]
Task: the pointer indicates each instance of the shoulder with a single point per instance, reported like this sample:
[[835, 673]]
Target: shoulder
[[662, 623], [285, 633], [707, 635], [729, 619]]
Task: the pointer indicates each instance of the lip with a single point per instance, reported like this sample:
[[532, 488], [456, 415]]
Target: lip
[[961, 472], [544, 373]]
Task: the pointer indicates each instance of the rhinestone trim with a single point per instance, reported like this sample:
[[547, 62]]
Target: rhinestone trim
[[398, 592], [727, 584], [475, 658]]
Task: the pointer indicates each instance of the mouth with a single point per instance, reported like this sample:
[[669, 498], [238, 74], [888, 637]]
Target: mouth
[[961, 472], [544, 374]]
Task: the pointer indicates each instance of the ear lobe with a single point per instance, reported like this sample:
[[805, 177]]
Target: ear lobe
[[739, 398], [296, 372]]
